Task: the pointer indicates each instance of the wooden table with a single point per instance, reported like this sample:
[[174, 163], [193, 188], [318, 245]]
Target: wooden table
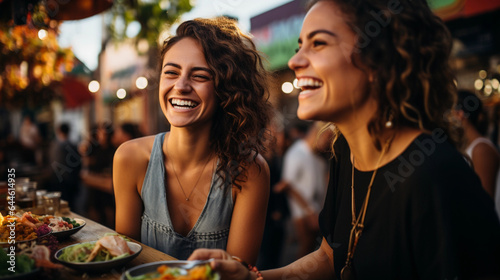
[[92, 231]]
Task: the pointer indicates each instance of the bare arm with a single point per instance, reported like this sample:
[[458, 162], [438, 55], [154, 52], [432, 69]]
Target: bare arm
[[128, 170], [316, 265], [486, 163], [294, 194], [102, 182], [249, 214]]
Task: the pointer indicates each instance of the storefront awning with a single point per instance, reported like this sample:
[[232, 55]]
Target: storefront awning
[[75, 92]]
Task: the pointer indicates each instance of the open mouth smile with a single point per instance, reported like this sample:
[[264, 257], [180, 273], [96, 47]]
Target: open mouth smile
[[183, 104], [307, 84]]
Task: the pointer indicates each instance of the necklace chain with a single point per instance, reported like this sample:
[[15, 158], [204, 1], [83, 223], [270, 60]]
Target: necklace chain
[[358, 223], [177, 177]]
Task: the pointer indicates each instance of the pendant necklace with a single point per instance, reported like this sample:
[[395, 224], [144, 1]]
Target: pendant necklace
[[177, 177], [347, 272]]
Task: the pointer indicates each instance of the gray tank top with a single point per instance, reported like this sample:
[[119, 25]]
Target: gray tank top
[[210, 231]]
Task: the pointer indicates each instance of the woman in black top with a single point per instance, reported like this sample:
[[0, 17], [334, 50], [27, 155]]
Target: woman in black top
[[402, 202]]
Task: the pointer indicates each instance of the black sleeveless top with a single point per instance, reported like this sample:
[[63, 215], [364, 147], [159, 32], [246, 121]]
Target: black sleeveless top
[[428, 216]]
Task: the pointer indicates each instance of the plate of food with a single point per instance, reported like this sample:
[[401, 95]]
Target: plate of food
[[24, 230], [28, 263], [109, 252], [185, 270], [24, 267], [63, 227]]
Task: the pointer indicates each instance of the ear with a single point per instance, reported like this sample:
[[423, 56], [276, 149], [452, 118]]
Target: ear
[[371, 77]]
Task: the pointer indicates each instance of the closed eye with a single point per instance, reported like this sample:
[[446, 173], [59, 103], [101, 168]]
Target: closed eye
[[317, 43], [201, 77]]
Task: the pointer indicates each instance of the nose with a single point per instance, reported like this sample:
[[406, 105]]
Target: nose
[[183, 84], [297, 61]]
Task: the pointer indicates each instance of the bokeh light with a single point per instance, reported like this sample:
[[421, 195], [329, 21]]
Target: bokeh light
[[483, 74], [287, 87], [478, 84], [42, 34], [94, 86], [141, 83], [121, 93]]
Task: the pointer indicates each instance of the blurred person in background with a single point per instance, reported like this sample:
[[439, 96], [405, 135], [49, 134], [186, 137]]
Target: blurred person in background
[[125, 132], [101, 196], [296, 130], [304, 180], [30, 139], [96, 175], [65, 165], [277, 210], [481, 151]]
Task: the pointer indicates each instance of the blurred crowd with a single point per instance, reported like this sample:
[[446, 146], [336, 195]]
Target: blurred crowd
[[80, 170]]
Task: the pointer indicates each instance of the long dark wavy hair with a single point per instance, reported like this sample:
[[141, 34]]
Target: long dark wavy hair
[[406, 48], [238, 131]]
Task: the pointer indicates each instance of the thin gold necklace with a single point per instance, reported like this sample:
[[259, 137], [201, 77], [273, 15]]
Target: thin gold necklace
[[177, 177], [347, 272]]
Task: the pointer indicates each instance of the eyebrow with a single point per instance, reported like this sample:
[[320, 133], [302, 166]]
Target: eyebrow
[[192, 69], [312, 34]]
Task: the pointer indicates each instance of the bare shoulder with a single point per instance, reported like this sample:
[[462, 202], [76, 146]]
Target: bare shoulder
[[257, 177], [259, 167], [138, 149], [131, 162], [483, 150]]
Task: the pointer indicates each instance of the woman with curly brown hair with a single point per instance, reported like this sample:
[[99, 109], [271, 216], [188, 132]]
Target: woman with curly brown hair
[[204, 184], [402, 202]]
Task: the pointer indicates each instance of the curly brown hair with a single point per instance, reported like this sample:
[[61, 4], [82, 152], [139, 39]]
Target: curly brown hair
[[406, 48], [240, 80]]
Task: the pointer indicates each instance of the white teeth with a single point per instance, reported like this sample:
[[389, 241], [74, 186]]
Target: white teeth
[[308, 82], [185, 103]]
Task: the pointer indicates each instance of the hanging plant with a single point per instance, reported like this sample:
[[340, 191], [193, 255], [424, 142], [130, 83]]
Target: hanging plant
[[150, 17], [31, 59]]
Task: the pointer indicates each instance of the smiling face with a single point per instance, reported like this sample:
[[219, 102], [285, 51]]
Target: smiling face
[[332, 86], [186, 92]]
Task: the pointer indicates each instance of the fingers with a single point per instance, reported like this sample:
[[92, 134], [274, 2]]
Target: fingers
[[230, 269], [222, 263], [205, 254]]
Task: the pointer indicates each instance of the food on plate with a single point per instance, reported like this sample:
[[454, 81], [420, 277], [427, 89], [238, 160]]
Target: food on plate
[[24, 264], [55, 223], [25, 229], [28, 224], [41, 255], [164, 272], [107, 248], [27, 260], [73, 222], [60, 223]]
